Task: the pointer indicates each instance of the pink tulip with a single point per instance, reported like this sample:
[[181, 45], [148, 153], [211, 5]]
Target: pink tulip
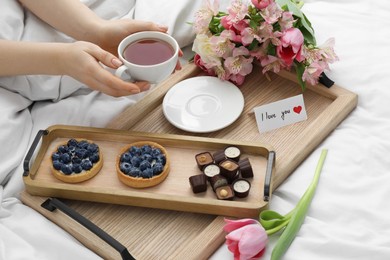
[[261, 4], [198, 62], [246, 239], [291, 46]]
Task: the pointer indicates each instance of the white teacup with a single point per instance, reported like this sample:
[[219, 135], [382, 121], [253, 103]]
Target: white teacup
[[148, 56]]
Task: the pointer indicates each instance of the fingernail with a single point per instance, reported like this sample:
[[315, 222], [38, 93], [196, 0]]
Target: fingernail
[[145, 86], [162, 27], [135, 91], [116, 62]]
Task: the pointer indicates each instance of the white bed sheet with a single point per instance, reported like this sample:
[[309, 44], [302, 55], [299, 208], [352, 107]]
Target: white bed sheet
[[349, 215]]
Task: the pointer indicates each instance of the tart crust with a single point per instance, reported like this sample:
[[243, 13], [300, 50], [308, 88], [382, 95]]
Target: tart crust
[[82, 176], [138, 182]]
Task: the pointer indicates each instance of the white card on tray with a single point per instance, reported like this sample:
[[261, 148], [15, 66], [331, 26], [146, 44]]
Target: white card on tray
[[280, 113]]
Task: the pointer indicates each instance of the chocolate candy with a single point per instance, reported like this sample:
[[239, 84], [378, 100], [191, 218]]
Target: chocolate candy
[[203, 159], [224, 193], [241, 188], [198, 183], [217, 181], [211, 170], [229, 169], [219, 156], [245, 168], [233, 153]]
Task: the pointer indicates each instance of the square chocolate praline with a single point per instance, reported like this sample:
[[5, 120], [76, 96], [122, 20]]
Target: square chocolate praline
[[198, 183], [245, 168], [229, 169], [203, 159]]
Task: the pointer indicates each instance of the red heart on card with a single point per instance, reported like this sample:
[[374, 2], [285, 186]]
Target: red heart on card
[[297, 109]]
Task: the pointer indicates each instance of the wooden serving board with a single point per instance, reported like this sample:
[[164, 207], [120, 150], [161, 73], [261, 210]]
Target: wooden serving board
[[184, 235], [174, 193]]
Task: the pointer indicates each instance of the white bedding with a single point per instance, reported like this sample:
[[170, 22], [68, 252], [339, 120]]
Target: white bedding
[[348, 218]]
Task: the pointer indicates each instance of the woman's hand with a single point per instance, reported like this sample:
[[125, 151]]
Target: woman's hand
[[81, 60], [110, 33]]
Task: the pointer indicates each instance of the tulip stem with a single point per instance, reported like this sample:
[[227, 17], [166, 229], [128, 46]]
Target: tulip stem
[[299, 213]]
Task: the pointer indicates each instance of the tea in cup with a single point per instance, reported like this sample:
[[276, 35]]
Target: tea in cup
[[148, 56]]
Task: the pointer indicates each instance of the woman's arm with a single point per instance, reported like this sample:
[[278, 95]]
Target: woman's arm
[[68, 16], [78, 60]]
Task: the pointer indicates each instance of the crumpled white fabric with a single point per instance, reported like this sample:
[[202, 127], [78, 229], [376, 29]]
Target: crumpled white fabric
[[31, 103]]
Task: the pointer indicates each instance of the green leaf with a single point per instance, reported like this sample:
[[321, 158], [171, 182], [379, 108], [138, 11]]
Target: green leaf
[[299, 214], [300, 69], [304, 23], [272, 221]]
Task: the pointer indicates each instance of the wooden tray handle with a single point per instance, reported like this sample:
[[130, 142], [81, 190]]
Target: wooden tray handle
[[52, 204]]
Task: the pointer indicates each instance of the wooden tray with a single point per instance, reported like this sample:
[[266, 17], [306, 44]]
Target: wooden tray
[[325, 107], [174, 193], [183, 235]]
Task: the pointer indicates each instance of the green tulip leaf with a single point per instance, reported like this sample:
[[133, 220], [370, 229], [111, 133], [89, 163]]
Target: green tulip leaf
[[270, 219], [299, 214]]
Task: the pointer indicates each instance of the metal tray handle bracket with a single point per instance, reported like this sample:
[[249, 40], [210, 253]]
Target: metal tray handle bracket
[[30, 153], [268, 176]]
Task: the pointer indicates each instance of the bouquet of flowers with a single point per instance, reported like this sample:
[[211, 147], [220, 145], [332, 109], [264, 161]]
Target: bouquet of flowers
[[274, 33]]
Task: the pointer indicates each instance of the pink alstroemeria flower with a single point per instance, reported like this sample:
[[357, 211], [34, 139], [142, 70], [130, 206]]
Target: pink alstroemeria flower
[[246, 239], [313, 72], [272, 13], [237, 11], [291, 46], [261, 4], [203, 16], [238, 65]]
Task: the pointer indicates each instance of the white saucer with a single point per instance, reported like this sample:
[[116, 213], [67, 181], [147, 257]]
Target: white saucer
[[203, 104]]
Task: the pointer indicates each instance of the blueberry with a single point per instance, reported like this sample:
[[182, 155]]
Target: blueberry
[[57, 165], [66, 169], [161, 159], [146, 149], [135, 161], [94, 158], [65, 158], [72, 143], [55, 157], [76, 160], [147, 157], [134, 150], [126, 157], [125, 167], [147, 173], [93, 148], [134, 172], [157, 168], [144, 165], [81, 153], [86, 165], [63, 149], [72, 149], [83, 144], [156, 152], [76, 168]]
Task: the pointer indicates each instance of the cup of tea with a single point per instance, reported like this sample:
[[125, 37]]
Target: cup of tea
[[147, 56]]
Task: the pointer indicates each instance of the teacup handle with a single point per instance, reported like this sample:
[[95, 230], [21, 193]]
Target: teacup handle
[[121, 71]]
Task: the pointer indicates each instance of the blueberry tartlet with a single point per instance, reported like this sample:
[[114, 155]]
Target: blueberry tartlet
[[142, 164], [76, 161]]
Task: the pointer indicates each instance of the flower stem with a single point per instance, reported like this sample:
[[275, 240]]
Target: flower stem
[[298, 214]]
